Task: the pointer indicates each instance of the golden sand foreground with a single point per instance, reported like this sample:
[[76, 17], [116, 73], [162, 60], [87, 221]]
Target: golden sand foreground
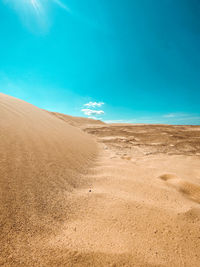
[[78, 192]]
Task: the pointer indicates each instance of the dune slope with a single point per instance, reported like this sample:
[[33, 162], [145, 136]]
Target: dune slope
[[42, 159]]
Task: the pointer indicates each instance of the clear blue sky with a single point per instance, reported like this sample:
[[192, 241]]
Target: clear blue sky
[[140, 57]]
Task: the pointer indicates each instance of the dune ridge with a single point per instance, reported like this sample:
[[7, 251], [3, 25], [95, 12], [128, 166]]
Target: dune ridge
[[77, 121]]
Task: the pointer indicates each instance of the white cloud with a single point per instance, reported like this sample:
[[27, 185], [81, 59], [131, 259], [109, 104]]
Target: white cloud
[[94, 104], [170, 115], [93, 110], [90, 112]]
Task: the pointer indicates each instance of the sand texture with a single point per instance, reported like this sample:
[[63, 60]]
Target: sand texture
[[78, 192]]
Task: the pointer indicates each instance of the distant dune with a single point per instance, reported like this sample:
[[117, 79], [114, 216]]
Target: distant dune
[[77, 121], [79, 192]]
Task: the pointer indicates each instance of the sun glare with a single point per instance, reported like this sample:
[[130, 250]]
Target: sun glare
[[36, 13], [36, 5]]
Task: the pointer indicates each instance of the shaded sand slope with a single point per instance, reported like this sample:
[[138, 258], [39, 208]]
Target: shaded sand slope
[[41, 159]]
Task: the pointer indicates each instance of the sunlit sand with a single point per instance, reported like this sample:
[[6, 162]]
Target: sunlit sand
[[79, 192]]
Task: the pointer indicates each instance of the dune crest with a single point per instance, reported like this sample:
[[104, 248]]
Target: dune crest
[[77, 121]]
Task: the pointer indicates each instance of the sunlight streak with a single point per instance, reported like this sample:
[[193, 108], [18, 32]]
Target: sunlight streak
[[36, 13], [36, 5], [60, 4]]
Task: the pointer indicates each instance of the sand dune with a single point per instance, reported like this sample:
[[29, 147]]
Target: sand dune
[[42, 159], [94, 194], [77, 121]]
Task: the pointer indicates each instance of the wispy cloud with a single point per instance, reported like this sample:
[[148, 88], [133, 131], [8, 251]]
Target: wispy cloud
[[170, 115], [90, 112], [94, 104], [95, 118], [171, 118]]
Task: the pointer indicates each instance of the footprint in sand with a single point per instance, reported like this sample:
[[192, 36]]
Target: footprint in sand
[[190, 190], [167, 176], [191, 215], [126, 157]]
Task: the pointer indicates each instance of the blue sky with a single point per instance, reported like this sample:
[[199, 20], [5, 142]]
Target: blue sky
[[131, 60]]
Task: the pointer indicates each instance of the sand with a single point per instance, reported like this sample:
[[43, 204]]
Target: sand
[[78, 192]]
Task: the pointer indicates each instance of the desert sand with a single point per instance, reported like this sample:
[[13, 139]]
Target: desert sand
[[79, 192]]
